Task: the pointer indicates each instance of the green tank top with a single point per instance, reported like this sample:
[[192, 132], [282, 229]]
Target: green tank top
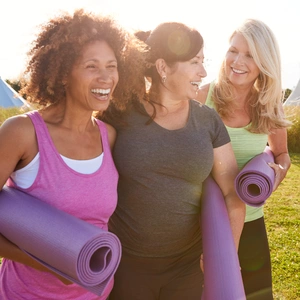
[[245, 145]]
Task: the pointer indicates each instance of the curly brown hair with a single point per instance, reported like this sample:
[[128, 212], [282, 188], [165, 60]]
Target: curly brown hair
[[60, 43]]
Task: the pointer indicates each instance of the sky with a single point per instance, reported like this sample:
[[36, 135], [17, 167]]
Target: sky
[[215, 19]]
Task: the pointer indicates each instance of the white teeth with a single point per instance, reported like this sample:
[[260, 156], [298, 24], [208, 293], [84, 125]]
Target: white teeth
[[101, 91], [198, 83], [238, 71]]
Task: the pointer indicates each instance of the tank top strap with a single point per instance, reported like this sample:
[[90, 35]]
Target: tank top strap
[[41, 130]]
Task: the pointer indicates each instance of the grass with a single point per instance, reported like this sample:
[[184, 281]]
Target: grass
[[283, 226], [8, 112]]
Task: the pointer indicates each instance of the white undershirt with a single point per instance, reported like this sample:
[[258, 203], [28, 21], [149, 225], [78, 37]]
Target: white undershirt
[[25, 177]]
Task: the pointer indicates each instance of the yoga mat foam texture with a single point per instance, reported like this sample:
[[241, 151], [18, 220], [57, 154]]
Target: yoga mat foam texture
[[254, 183], [222, 275], [79, 251]]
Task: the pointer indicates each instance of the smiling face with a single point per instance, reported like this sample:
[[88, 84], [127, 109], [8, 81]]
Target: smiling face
[[240, 67], [93, 78], [185, 77]]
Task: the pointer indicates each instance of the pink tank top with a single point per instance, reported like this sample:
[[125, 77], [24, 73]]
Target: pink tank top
[[90, 197]]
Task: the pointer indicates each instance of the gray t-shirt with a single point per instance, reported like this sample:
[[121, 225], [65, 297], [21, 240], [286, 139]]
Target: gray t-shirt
[[161, 174]]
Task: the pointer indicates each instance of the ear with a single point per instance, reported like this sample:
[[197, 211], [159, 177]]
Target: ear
[[161, 67]]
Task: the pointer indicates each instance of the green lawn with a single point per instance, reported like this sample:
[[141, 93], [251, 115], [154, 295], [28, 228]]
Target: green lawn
[[282, 212], [283, 224]]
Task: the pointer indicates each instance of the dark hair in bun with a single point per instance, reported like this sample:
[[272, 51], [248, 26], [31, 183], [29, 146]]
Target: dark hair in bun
[[171, 41], [142, 35]]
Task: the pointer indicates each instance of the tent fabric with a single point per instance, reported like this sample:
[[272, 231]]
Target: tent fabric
[[9, 97], [294, 97]]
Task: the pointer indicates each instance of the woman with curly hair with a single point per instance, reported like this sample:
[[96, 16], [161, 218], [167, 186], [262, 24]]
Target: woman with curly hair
[[167, 144], [248, 96], [78, 65]]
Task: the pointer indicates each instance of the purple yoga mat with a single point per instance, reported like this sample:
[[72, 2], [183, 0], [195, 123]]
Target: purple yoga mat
[[222, 275], [254, 184], [79, 251]]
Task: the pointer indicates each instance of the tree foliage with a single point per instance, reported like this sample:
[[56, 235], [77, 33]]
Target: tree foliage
[[15, 84], [287, 93]]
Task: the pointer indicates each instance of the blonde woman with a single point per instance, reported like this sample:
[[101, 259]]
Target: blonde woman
[[248, 96]]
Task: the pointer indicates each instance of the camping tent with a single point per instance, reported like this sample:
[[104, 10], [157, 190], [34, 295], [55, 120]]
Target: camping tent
[[294, 97], [9, 97]]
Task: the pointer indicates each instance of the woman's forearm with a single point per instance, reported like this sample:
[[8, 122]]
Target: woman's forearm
[[236, 212], [10, 251]]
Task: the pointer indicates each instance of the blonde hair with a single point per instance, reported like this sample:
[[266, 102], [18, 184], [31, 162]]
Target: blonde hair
[[265, 98]]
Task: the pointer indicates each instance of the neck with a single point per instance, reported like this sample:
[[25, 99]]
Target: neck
[[166, 107], [72, 119], [241, 96]]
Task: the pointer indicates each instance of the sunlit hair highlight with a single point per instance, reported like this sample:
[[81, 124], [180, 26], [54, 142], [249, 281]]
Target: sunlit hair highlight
[[60, 43]]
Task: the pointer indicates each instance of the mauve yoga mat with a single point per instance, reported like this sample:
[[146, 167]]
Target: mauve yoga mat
[[254, 183], [73, 248], [222, 275]]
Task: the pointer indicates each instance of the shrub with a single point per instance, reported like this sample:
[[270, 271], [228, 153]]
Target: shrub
[[9, 112], [293, 114]]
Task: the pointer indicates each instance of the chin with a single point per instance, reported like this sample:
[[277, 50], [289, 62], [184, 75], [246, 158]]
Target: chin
[[103, 105]]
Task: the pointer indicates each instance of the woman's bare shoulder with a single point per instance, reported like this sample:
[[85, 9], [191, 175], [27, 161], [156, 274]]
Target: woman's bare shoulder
[[17, 126], [18, 143]]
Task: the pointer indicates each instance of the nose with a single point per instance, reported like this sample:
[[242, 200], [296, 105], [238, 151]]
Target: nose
[[202, 72], [239, 59], [103, 75]]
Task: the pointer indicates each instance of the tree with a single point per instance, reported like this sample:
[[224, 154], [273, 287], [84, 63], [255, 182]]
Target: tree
[[15, 84], [287, 92]]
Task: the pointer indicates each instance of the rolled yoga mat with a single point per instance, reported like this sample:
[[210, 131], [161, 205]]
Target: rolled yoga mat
[[222, 275], [254, 184], [75, 249]]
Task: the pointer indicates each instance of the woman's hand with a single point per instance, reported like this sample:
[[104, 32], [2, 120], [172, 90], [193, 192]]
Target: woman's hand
[[201, 263], [280, 173]]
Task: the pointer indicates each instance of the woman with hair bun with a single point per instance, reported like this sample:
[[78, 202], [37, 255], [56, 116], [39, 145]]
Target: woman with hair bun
[[167, 145]]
